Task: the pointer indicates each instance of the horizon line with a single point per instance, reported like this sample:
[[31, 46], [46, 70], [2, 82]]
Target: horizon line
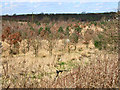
[[57, 13]]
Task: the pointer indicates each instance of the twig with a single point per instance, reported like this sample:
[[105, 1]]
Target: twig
[[8, 87]]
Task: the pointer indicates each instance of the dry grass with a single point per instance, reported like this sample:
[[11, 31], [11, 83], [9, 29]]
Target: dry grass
[[100, 72], [41, 55]]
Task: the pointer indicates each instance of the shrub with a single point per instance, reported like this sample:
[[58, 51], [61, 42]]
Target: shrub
[[73, 20], [40, 29], [67, 31], [48, 29], [98, 44], [78, 29], [53, 23], [31, 28], [14, 38], [100, 41], [6, 32], [38, 23], [103, 22], [60, 30], [95, 23], [13, 41]]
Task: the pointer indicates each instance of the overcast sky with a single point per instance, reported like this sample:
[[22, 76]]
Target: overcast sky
[[57, 6]]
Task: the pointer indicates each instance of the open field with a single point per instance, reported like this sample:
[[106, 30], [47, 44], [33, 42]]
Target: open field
[[60, 54]]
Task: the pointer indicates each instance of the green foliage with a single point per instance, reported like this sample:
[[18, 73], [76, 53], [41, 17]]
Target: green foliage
[[40, 30], [67, 31], [93, 22], [38, 23], [100, 36], [47, 24], [103, 22], [61, 63], [98, 44], [40, 75], [78, 29], [73, 20], [101, 42], [31, 28], [48, 29], [60, 30]]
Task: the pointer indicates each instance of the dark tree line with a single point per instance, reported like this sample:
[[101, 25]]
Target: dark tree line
[[56, 17]]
